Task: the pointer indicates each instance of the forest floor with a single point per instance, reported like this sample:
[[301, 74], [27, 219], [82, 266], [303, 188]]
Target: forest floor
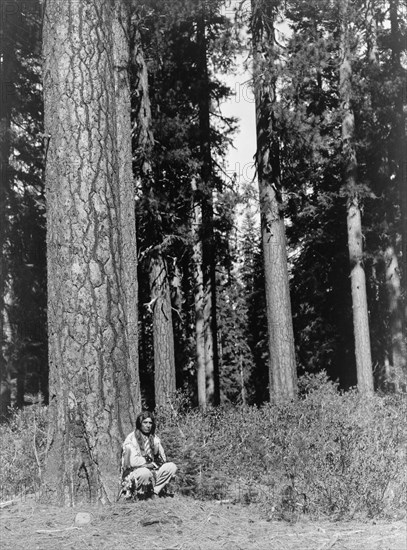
[[181, 523]]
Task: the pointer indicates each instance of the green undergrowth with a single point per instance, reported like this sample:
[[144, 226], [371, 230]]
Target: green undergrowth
[[22, 451], [327, 454]]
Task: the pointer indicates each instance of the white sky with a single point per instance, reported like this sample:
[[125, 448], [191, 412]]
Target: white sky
[[241, 105], [240, 157]]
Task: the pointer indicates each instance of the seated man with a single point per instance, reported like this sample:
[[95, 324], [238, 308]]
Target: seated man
[[145, 470]]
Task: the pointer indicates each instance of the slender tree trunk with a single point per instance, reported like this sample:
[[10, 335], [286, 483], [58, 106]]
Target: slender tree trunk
[[242, 384], [6, 359], [176, 286], [359, 299], [163, 334], [5, 117], [208, 334], [400, 146], [371, 32], [198, 296], [94, 388], [354, 222], [396, 377], [208, 250], [282, 369]]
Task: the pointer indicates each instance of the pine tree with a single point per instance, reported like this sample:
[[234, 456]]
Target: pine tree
[[181, 40], [94, 388], [309, 131], [151, 234], [354, 223], [207, 232], [5, 121], [383, 231], [282, 377], [308, 123], [397, 35], [398, 288]]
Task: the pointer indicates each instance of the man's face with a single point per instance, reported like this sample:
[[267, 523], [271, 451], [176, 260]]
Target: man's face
[[146, 426]]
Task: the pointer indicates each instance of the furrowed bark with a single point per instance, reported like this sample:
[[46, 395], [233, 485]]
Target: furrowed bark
[[121, 53], [163, 334], [94, 388]]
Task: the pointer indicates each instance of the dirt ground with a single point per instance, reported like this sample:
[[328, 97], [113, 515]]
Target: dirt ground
[[181, 523]]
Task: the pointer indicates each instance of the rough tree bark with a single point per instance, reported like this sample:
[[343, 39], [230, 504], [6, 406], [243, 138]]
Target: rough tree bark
[[282, 366], [163, 334], [354, 221], [94, 387]]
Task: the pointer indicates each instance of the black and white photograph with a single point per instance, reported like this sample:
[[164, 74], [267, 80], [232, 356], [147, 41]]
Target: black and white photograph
[[203, 274]]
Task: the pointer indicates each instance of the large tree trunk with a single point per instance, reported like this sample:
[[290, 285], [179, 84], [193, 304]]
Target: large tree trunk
[[207, 235], [354, 222], [94, 388], [163, 334], [282, 366]]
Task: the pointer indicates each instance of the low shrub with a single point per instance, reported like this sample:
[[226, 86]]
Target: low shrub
[[331, 454], [326, 454], [22, 449]]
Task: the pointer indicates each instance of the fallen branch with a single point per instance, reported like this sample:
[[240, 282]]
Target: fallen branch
[[51, 531], [7, 503]]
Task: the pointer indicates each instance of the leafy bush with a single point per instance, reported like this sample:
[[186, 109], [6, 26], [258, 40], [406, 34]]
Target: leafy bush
[[23, 442], [326, 454]]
